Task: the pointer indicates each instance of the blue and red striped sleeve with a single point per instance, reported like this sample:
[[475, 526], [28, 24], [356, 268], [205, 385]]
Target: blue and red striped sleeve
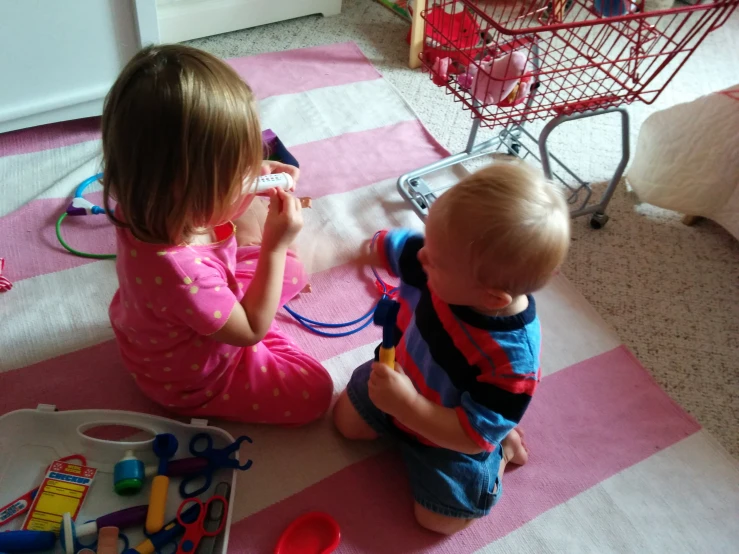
[[488, 427], [398, 249], [502, 392]]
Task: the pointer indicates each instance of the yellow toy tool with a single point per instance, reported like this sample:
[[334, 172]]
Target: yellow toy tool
[[165, 446]]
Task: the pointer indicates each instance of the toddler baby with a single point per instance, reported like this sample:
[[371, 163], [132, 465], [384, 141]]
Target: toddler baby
[[467, 340]]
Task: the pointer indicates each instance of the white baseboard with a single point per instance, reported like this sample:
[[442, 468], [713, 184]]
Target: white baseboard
[[87, 108], [181, 20], [83, 101]]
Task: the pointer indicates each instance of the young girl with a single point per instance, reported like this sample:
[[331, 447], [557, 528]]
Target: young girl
[[202, 270]]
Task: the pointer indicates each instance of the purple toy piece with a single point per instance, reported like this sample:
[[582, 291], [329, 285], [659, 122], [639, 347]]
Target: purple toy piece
[[73, 210], [268, 136], [123, 519], [275, 150], [186, 466]]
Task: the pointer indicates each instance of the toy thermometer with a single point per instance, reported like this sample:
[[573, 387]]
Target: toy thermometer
[[17, 507]]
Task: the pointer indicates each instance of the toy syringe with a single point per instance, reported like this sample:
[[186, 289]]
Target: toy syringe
[[274, 181]]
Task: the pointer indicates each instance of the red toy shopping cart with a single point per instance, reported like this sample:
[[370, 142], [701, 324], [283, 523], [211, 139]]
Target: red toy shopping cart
[[514, 61]]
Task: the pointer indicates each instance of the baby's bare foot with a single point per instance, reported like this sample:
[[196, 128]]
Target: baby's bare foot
[[514, 451], [523, 438]]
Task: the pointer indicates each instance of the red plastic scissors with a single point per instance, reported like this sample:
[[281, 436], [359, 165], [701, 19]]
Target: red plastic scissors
[[196, 530]]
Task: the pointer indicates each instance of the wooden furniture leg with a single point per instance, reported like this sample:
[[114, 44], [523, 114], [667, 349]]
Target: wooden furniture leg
[[417, 25]]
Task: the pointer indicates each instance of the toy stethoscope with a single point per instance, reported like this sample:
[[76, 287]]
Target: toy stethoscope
[[81, 206]]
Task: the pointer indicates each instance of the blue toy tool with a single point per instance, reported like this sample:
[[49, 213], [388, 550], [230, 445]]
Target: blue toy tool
[[26, 541], [165, 446], [217, 458], [386, 315]]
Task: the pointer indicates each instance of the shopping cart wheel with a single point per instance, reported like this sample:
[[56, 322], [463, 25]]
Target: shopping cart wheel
[[598, 220]]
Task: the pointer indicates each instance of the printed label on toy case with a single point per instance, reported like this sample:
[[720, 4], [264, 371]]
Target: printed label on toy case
[[63, 490]]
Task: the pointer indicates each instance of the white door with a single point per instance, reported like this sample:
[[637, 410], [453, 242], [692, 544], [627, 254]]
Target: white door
[[59, 58]]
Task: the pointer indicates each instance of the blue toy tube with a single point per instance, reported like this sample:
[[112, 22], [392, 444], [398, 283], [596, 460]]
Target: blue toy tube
[[386, 315], [26, 541]]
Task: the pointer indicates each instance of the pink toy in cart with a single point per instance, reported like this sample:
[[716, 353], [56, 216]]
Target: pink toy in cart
[[440, 71], [496, 80], [520, 92]]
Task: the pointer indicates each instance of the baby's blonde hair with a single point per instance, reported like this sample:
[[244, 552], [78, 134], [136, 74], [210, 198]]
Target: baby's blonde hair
[[513, 225], [180, 136]]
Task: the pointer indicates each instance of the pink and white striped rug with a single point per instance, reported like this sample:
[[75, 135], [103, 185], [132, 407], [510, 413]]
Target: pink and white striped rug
[[615, 465]]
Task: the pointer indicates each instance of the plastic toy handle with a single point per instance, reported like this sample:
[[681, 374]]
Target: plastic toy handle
[[126, 420], [186, 466], [157, 504], [216, 504], [26, 541], [170, 532], [387, 356], [123, 519]]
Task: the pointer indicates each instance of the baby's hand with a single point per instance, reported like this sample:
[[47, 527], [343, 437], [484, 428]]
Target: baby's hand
[[367, 256], [391, 391], [284, 221]]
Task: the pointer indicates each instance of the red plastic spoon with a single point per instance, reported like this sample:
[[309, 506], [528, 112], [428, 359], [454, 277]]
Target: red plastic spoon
[[311, 533]]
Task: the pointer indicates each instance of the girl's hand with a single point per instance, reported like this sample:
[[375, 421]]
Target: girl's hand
[[284, 220], [391, 391], [269, 167]]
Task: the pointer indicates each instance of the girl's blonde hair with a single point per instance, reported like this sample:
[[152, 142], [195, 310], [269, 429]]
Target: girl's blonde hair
[[180, 136], [511, 224]]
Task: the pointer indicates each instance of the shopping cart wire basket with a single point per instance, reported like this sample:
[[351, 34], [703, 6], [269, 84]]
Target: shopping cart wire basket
[[514, 61]]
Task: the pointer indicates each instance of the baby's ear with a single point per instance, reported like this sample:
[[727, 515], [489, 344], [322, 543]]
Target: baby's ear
[[496, 299]]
